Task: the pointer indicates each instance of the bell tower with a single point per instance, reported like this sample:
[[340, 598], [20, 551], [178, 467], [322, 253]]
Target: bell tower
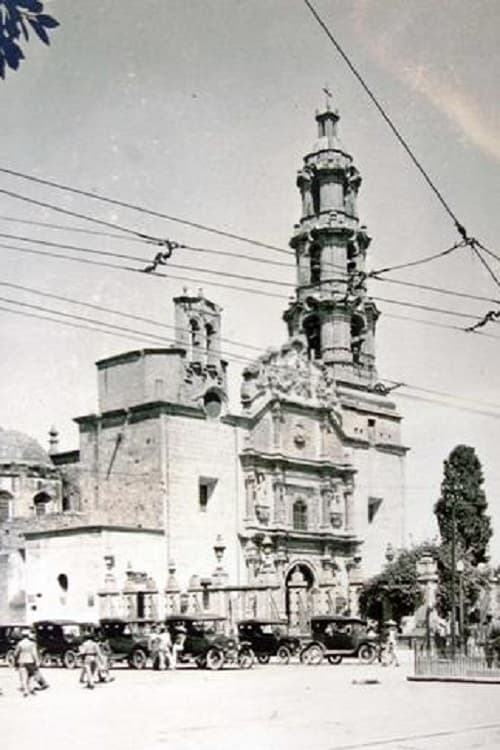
[[332, 310]]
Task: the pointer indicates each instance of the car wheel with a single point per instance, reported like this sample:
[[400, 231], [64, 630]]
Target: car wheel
[[246, 658], [312, 655], [45, 659], [334, 659], [214, 659], [9, 657], [366, 653], [284, 655], [263, 658], [69, 659], [138, 659]]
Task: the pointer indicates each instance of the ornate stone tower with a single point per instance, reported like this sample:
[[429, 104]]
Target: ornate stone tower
[[332, 310], [324, 436]]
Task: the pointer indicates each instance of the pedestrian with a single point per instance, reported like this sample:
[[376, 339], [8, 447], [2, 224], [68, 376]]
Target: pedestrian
[[91, 654], [164, 648], [27, 662], [390, 645], [178, 644], [103, 664]]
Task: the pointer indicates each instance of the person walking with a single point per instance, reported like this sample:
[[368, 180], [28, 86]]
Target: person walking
[[27, 662], [91, 654], [178, 644]]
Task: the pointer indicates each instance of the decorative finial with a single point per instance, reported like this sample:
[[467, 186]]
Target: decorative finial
[[53, 440]]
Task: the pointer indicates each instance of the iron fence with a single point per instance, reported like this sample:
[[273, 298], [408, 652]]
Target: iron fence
[[444, 663]]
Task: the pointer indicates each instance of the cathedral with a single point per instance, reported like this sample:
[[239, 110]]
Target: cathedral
[[177, 501]]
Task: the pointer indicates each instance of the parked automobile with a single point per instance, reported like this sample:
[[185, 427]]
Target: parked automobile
[[336, 637], [204, 644], [127, 640], [9, 636], [59, 640], [267, 639]]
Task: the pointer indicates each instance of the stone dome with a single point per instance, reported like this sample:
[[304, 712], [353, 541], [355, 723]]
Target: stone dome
[[16, 447]]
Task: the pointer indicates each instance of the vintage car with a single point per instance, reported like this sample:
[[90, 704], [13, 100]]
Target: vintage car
[[199, 639], [127, 640], [9, 636], [266, 638], [336, 637], [59, 640]]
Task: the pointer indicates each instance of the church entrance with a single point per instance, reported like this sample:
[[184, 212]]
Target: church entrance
[[299, 583]]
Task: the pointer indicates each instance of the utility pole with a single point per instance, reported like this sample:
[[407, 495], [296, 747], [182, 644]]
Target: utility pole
[[453, 575]]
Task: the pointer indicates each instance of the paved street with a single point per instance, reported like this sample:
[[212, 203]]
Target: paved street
[[294, 707]]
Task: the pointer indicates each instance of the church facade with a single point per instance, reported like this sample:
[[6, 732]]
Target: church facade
[[176, 500]]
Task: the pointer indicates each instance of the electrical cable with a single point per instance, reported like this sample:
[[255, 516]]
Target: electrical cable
[[438, 290], [486, 265], [459, 227], [427, 259], [143, 210], [114, 311], [160, 242]]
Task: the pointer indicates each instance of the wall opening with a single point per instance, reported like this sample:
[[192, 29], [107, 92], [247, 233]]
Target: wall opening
[[311, 326], [315, 264], [300, 515], [206, 486], [5, 506], [374, 504], [41, 502]]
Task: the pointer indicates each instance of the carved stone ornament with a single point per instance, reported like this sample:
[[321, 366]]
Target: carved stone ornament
[[262, 513], [300, 436], [336, 519]]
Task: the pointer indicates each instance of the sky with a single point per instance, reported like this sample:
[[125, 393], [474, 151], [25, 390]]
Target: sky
[[204, 109]]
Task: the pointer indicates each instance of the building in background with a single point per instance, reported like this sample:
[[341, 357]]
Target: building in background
[[175, 500]]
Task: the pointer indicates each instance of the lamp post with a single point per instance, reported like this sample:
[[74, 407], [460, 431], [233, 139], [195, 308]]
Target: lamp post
[[460, 570]]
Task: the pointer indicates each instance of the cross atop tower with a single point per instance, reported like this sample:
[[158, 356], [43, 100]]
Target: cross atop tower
[[328, 95]]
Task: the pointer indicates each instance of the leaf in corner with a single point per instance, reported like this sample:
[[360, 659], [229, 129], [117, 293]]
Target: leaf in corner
[[39, 30], [47, 21]]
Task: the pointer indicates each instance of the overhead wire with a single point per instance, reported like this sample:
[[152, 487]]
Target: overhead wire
[[402, 141], [161, 242], [419, 262], [143, 210], [249, 290]]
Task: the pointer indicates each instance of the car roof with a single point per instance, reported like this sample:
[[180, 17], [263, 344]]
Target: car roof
[[336, 618], [55, 622], [121, 620], [255, 621], [193, 617]]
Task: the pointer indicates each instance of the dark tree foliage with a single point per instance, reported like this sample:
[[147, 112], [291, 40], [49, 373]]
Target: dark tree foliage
[[17, 17], [395, 589], [461, 487], [395, 592]]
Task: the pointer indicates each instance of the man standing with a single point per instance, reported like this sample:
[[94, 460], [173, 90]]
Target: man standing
[[91, 654], [164, 646], [27, 661]]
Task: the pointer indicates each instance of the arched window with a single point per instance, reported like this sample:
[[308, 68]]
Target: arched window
[[315, 263], [358, 331], [41, 501], [300, 515], [194, 328], [210, 336], [5, 506], [311, 328]]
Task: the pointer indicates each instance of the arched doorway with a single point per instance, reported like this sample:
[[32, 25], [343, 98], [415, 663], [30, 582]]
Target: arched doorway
[[300, 580]]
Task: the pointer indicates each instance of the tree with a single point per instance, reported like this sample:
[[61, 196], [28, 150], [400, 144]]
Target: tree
[[463, 499], [395, 590], [16, 18]]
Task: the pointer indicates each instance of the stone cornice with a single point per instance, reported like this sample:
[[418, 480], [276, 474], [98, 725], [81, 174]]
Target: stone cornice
[[136, 354], [249, 455], [90, 529], [291, 534]]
